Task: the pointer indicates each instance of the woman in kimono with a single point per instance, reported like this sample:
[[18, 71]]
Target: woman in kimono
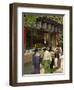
[[36, 61], [46, 61]]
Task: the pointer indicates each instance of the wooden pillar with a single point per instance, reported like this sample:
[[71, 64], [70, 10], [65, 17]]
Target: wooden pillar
[[25, 38], [31, 41]]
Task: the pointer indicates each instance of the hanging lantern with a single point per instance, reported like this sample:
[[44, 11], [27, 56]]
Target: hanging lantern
[[60, 27], [49, 26], [44, 25], [52, 25], [38, 26], [56, 29], [38, 23], [34, 25], [44, 22], [52, 28]]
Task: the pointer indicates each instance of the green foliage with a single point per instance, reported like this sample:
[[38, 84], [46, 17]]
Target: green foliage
[[31, 19], [58, 19]]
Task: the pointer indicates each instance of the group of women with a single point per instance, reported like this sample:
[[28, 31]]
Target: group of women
[[47, 58]]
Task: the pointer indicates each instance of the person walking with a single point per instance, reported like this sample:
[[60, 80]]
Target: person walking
[[46, 61], [58, 53], [52, 56], [36, 61]]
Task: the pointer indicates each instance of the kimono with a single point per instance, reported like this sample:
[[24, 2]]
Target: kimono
[[36, 63], [47, 61]]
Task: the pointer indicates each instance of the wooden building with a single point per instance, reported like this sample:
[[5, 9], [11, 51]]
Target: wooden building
[[44, 32]]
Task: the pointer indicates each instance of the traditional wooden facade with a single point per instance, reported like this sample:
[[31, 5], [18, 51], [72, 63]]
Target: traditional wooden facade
[[45, 32]]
